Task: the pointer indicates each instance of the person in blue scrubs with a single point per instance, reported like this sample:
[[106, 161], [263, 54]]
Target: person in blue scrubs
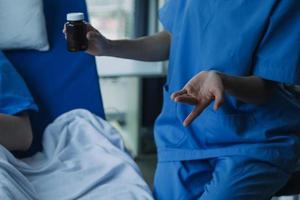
[[228, 128], [15, 103]]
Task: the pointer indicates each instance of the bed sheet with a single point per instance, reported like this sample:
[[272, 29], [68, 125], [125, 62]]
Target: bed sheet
[[83, 158]]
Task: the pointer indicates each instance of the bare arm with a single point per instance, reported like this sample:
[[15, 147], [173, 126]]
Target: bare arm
[[209, 86], [249, 89], [150, 48], [15, 132]]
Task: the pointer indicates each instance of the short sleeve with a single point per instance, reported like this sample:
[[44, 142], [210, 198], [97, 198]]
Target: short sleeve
[[14, 94], [278, 55], [167, 14]]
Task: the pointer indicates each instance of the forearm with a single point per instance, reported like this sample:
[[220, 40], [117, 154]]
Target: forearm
[[15, 132], [150, 48], [249, 89]]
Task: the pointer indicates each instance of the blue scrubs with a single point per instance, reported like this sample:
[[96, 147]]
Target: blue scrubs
[[242, 38], [14, 95]]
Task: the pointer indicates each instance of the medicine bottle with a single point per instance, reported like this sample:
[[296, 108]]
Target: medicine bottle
[[76, 30]]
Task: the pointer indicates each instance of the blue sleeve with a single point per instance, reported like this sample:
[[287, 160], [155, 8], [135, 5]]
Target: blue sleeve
[[278, 56], [14, 95], [167, 14]]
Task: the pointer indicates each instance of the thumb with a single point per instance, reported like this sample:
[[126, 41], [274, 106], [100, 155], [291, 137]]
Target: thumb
[[219, 100], [92, 35]]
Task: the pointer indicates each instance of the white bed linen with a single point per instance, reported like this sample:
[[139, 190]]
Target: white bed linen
[[83, 158]]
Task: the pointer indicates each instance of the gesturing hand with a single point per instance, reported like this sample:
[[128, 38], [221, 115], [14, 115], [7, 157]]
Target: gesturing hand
[[200, 91]]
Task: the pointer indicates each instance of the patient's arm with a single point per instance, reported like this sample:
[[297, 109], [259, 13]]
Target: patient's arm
[[15, 132]]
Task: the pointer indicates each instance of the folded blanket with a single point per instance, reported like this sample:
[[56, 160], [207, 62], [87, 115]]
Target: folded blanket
[[83, 158]]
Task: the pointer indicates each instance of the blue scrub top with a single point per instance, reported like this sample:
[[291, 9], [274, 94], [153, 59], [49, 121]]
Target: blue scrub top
[[237, 37], [14, 95]]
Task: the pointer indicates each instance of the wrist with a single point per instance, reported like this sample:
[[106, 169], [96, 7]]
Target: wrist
[[226, 79], [108, 48]]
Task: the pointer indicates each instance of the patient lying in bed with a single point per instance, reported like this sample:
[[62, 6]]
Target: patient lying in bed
[[15, 101], [83, 156]]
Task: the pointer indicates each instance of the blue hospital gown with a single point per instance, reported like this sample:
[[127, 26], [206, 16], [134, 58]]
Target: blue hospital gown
[[242, 38], [14, 94]]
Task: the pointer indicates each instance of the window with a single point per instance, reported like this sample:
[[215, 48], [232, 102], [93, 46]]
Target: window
[[114, 18], [120, 78]]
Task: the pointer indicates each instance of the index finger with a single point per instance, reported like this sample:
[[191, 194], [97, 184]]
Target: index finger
[[191, 117], [90, 28], [178, 93], [186, 99], [196, 112]]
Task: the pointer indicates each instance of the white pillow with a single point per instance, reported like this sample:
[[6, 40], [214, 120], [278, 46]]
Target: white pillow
[[22, 25]]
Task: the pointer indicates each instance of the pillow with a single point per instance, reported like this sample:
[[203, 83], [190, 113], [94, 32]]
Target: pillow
[[22, 25]]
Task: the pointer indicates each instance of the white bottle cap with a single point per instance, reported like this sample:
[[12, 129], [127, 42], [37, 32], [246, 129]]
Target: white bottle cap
[[78, 16]]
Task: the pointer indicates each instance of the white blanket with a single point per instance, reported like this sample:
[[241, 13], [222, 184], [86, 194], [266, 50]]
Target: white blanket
[[83, 158]]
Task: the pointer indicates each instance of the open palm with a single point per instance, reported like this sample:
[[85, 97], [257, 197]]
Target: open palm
[[200, 91]]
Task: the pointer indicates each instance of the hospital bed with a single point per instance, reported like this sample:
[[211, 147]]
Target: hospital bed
[[61, 81], [64, 83]]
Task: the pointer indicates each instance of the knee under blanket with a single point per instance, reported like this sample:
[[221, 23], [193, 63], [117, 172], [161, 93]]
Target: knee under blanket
[[83, 158]]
